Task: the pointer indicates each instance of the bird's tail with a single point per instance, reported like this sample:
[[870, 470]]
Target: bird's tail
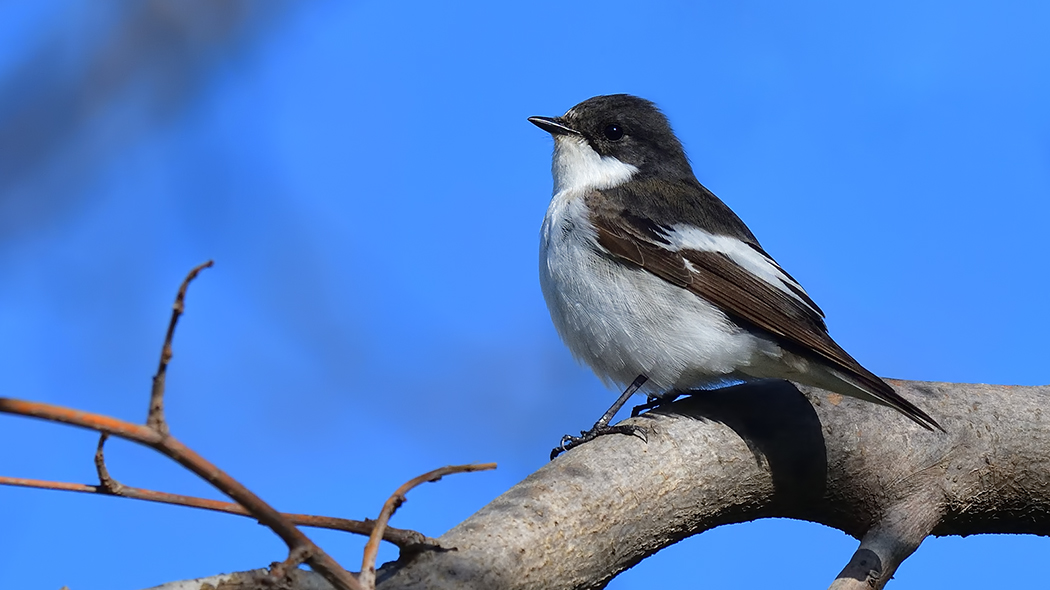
[[858, 382], [875, 390]]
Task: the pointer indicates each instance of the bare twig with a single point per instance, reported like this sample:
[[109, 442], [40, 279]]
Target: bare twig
[[298, 543], [278, 570], [156, 435], [403, 538], [183, 455], [368, 564], [105, 482], [155, 418]]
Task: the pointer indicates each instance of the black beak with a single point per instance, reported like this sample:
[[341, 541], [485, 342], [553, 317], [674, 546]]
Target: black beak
[[553, 125]]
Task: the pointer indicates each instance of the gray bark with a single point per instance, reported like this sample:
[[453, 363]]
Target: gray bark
[[755, 451]]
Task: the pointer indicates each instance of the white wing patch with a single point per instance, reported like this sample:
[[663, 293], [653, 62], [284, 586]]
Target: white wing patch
[[689, 237]]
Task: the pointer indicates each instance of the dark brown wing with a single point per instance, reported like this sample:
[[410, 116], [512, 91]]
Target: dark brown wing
[[791, 283], [796, 321]]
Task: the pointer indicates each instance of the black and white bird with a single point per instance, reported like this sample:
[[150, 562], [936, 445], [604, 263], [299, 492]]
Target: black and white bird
[[657, 285]]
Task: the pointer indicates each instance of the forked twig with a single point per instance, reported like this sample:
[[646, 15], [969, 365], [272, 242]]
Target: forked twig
[[183, 455], [280, 569], [155, 418], [155, 434], [367, 577], [105, 482], [404, 538]]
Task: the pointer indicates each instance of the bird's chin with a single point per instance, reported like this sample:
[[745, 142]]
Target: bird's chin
[[577, 167]]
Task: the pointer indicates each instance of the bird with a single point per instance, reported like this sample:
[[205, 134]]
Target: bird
[[658, 286]]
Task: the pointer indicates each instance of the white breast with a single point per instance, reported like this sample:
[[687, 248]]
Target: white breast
[[623, 321]]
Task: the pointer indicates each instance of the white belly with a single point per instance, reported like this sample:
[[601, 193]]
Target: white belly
[[624, 322]]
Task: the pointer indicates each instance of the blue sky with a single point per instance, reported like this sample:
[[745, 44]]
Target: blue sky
[[365, 179]]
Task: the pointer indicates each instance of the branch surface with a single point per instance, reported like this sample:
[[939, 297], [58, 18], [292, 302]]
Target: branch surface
[[756, 451]]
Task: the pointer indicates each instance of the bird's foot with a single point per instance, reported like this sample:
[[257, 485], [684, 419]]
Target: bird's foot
[[654, 401], [570, 442]]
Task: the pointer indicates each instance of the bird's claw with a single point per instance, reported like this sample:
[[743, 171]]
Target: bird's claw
[[653, 401], [569, 442]]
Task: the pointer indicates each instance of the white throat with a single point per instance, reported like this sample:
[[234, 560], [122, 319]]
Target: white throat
[[578, 167]]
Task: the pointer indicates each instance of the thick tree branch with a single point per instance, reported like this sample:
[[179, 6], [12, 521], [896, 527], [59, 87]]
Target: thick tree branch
[[889, 542], [756, 451], [760, 451]]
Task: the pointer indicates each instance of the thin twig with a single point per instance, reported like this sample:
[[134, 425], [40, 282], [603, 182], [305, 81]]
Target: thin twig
[[278, 570], [367, 577], [107, 483], [155, 418], [403, 538], [183, 455]]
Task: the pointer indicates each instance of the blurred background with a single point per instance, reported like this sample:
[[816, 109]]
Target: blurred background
[[364, 177]]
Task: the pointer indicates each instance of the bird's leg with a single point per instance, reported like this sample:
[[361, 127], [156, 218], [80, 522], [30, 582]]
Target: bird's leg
[[601, 427], [655, 401]]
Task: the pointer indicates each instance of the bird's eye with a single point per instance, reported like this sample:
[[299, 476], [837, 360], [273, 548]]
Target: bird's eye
[[613, 132]]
